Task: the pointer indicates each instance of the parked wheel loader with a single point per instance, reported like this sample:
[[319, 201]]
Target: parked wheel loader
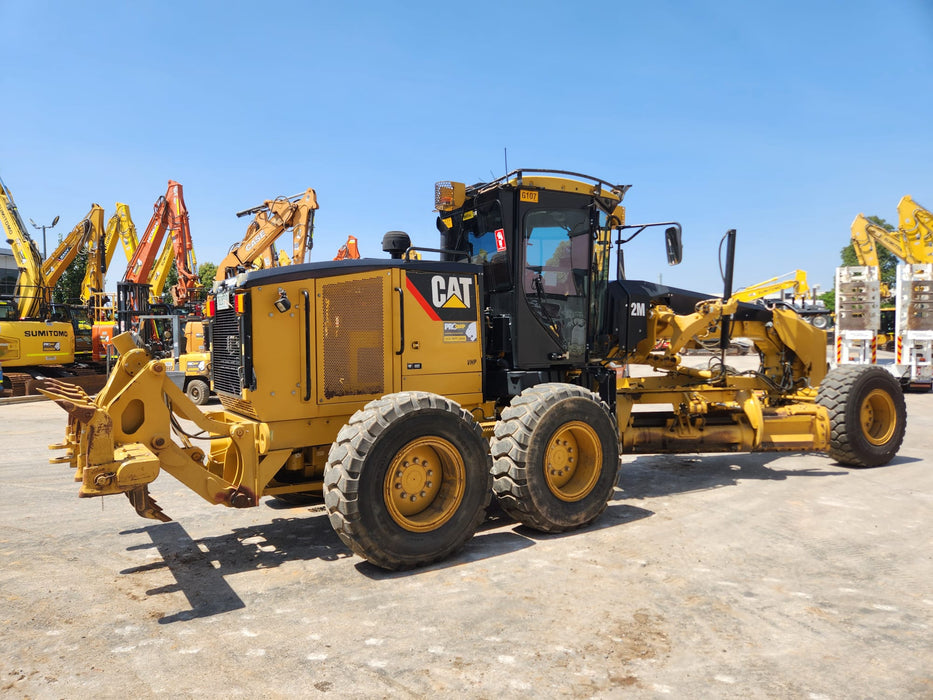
[[408, 392]]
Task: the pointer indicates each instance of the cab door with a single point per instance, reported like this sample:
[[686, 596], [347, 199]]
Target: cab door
[[557, 238]]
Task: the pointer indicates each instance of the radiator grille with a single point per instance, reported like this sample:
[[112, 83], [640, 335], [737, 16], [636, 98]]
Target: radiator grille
[[238, 406], [226, 355], [353, 334]]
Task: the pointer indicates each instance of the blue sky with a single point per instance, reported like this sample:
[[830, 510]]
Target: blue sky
[[780, 119]]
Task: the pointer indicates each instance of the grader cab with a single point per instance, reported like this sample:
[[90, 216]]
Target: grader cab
[[407, 392]]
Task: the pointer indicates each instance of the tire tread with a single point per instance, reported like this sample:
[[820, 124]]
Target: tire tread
[[346, 461]]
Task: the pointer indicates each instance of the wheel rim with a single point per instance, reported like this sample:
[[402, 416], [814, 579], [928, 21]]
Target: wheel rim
[[878, 417], [424, 485], [573, 461]]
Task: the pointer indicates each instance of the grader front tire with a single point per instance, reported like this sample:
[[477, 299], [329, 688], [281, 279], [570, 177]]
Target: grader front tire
[[555, 457], [867, 414], [407, 480]]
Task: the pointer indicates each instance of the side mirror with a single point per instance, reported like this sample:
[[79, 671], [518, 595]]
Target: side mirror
[[675, 247]]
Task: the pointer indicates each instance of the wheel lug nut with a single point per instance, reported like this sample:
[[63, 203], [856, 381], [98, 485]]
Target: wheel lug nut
[[428, 484], [414, 498], [423, 494], [398, 486], [403, 495]]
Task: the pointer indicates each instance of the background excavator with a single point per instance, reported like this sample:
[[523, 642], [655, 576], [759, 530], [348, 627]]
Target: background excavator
[[349, 250], [172, 332], [270, 220], [802, 300], [38, 339], [85, 236], [170, 216], [796, 280], [28, 336], [865, 317], [120, 231], [32, 297]]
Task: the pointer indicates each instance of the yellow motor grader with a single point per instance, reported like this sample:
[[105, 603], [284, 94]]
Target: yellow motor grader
[[408, 391]]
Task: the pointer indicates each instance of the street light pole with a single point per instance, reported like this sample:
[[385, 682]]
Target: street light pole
[[47, 226]]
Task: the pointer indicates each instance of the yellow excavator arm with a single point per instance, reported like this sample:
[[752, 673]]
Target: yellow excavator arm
[[89, 228], [865, 249], [101, 249], [159, 272], [32, 294], [121, 225], [97, 259], [895, 241], [916, 224], [797, 280]]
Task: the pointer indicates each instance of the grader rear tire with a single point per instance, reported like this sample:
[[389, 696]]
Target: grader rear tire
[[867, 414], [555, 457], [408, 480]]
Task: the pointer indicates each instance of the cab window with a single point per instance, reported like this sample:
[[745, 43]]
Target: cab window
[[485, 243], [556, 273], [557, 251]]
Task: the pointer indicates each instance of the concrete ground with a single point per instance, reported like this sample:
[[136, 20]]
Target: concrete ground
[[737, 576]]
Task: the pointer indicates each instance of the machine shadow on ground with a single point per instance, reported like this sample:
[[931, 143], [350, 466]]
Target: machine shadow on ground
[[494, 538], [200, 567], [655, 475]]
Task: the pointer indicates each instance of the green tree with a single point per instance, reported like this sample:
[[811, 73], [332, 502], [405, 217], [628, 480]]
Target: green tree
[[207, 271], [68, 288], [886, 259]]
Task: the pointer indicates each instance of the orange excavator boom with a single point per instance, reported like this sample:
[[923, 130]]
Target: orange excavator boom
[[271, 219], [185, 262]]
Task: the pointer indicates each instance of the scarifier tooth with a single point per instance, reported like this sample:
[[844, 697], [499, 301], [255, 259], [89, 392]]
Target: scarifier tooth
[[146, 505], [57, 389]]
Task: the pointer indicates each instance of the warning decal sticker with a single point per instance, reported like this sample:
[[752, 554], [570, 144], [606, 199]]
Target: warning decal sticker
[[459, 332]]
